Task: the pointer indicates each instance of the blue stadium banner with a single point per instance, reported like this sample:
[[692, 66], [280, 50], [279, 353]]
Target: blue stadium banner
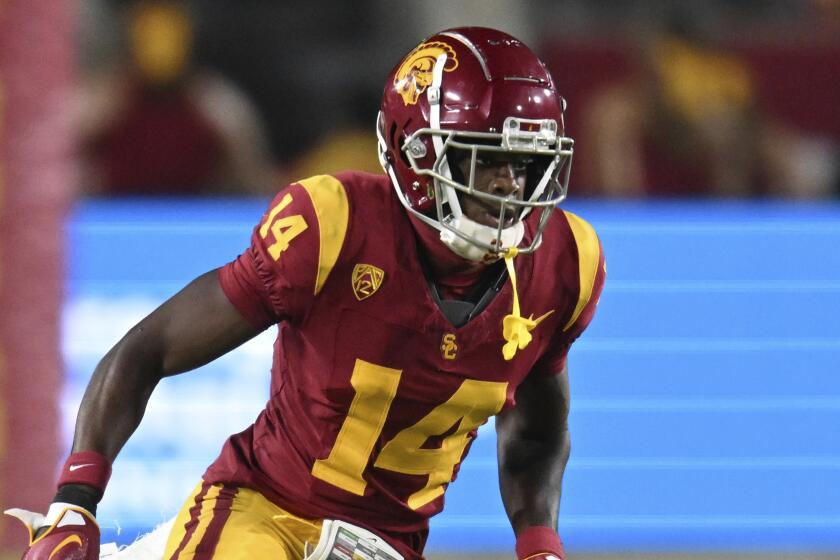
[[706, 395]]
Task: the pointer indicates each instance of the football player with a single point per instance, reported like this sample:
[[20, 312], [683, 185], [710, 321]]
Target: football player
[[411, 306]]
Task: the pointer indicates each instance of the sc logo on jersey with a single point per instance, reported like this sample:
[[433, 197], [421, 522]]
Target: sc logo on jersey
[[449, 346]]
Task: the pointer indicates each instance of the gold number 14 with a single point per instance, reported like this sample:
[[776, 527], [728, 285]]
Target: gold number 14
[[284, 230], [376, 387]]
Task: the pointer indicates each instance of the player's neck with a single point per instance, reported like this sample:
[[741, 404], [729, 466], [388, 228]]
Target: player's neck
[[445, 265]]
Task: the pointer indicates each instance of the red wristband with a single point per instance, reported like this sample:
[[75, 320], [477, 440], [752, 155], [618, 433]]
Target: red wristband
[[539, 540], [86, 467]]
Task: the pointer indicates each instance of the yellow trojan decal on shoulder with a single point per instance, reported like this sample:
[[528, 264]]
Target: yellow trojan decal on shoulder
[[366, 280], [415, 73]]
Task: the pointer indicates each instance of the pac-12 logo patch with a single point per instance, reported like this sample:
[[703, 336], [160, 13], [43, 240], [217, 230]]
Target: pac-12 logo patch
[[415, 73], [449, 346], [366, 280]]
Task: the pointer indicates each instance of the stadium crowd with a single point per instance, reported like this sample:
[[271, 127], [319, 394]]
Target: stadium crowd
[[721, 98]]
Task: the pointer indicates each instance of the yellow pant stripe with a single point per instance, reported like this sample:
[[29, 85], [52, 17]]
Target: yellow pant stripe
[[239, 524], [192, 522]]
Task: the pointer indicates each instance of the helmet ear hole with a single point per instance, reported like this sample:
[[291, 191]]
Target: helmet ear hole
[[391, 136]]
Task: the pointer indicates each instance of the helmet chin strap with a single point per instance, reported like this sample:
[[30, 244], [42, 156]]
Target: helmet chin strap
[[511, 237]]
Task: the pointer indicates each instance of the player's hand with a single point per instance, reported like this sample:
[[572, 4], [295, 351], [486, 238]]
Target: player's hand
[[67, 532], [539, 543]]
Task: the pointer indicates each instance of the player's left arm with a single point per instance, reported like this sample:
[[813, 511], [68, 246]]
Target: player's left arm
[[533, 448], [533, 436]]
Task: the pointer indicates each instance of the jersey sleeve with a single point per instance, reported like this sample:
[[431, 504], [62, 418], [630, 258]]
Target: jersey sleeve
[[293, 250], [592, 272]]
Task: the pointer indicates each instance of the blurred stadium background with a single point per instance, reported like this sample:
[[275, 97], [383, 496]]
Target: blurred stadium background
[[139, 142]]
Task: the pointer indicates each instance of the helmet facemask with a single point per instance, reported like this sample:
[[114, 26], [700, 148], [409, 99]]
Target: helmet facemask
[[532, 145]]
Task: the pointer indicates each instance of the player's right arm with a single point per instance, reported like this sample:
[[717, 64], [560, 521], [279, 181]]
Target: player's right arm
[[195, 326], [274, 279], [291, 255]]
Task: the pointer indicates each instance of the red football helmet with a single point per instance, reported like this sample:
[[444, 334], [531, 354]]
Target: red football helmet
[[468, 93]]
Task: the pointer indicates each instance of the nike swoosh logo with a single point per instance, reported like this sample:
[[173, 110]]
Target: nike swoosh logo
[[69, 540], [72, 468]]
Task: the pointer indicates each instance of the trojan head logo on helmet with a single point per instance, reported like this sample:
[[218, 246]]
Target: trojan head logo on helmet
[[460, 101], [415, 73]]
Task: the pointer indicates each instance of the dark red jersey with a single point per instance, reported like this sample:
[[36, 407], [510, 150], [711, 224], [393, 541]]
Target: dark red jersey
[[375, 395]]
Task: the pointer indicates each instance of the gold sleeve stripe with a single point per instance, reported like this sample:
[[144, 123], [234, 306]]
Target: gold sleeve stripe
[[330, 202], [589, 254]]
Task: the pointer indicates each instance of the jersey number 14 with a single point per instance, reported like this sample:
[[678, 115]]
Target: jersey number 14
[[284, 229], [471, 404]]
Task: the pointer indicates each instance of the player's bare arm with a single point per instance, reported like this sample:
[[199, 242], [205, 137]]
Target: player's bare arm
[[194, 327], [533, 448]]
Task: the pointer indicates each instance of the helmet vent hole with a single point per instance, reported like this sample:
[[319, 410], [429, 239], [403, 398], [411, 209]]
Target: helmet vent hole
[[391, 135]]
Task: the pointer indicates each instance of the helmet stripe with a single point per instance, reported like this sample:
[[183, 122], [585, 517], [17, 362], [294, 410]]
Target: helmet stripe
[[469, 44], [434, 95]]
